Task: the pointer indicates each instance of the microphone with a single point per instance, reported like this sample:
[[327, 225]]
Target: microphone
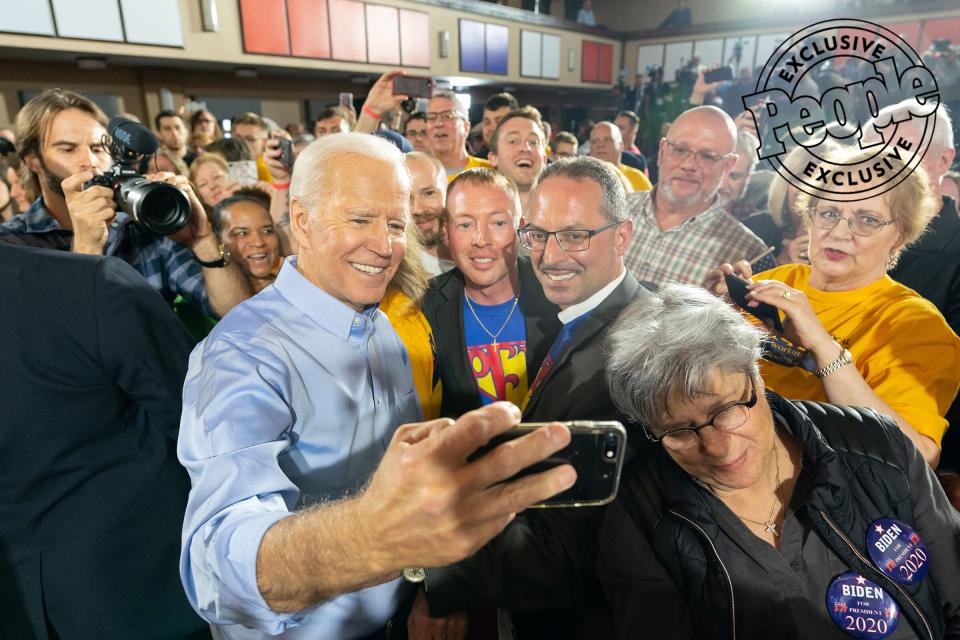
[[133, 136]]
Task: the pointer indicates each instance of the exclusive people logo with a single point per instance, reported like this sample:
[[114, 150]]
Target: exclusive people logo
[[890, 86]]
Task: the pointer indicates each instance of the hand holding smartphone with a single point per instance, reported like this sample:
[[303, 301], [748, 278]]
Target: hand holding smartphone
[[596, 451], [737, 290], [286, 153], [413, 86], [720, 74]]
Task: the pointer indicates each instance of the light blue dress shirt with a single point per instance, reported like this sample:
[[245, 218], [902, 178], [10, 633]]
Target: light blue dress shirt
[[291, 400]]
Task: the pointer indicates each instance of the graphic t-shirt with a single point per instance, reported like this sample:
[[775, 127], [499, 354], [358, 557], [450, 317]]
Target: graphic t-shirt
[[501, 372]]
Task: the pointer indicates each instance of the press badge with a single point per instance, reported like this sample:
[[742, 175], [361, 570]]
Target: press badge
[[861, 608], [897, 550]]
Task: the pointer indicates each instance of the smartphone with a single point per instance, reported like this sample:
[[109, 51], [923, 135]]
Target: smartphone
[[737, 288], [720, 74], [413, 86], [346, 100], [243, 172], [286, 152], [596, 452]]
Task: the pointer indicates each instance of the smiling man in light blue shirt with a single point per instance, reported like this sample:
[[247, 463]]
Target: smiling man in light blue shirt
[[307, 499]]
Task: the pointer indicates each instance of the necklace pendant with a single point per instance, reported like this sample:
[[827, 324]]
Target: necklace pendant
[[495, 351], [772, 528]]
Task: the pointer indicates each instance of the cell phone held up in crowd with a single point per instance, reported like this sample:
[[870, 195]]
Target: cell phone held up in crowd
[[413, 86], [737, 289], [720, 74], [596, 452], [286, 153]]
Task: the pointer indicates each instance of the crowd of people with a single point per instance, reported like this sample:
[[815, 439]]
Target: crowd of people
[[280, 443]]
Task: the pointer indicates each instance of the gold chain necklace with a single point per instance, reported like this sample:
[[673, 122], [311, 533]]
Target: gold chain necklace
[[493, 336], [771, 524]]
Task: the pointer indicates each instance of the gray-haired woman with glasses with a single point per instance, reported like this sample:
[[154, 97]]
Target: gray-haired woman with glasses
[[851, 334], [753, 516]]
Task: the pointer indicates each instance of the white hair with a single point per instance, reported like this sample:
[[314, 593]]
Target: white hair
[[942, 139], [615, 132], [747, 144], [458, 106], [668, 346], [310, 171]]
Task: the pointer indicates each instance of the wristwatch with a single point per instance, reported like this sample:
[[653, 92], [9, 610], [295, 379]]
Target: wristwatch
[[844, 359], [222, 261]]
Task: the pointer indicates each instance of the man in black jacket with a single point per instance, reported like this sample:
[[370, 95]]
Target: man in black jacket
[[577, 234], [490, 320], [931, 267], [92, 496]]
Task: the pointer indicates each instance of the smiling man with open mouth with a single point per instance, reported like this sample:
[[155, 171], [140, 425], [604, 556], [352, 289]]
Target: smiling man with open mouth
[[518, 150]]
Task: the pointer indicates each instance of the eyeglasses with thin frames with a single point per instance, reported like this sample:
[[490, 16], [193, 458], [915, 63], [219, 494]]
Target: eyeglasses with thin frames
[[861, 224], [727, 418], [570, 240], [704, 158], [443, 116]]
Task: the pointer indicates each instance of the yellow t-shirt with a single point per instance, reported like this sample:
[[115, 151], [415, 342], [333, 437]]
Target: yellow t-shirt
[[472, 163], [637, 178], [415, 333], [900, 344]]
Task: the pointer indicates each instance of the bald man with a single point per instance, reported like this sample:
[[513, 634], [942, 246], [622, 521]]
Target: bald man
[[681, 231], [606, 143]]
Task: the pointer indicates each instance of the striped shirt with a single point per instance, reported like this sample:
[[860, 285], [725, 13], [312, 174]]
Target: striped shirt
[[689, 251], [167, 266]]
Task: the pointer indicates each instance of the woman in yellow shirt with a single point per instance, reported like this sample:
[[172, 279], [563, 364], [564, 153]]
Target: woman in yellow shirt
[[401, 303], [843, 309]]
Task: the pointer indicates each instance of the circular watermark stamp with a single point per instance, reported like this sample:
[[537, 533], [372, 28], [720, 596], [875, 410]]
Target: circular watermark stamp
[[873, 104]]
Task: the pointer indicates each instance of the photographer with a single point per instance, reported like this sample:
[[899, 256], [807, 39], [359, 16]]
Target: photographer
[[61, 138]]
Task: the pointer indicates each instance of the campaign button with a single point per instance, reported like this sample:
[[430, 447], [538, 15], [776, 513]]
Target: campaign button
[[897, 550], [861, 608]]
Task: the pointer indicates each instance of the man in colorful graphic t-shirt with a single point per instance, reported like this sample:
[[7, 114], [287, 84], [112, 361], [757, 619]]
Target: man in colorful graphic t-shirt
[[483, 212]]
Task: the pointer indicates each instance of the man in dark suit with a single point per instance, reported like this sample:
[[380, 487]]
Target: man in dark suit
[[491, 323], [577, 234], [92, 496]]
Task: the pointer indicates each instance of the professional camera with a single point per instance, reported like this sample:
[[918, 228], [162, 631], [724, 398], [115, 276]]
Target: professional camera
[[158, 206], [6, 147]]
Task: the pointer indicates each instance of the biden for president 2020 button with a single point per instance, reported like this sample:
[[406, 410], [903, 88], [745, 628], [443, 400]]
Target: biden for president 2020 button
[[897, 550], [861, 608]]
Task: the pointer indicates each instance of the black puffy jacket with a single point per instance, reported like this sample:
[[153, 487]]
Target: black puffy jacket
[[858, 463]]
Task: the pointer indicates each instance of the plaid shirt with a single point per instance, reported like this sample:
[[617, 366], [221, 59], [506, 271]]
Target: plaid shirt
[[167, 266], [689, 251]]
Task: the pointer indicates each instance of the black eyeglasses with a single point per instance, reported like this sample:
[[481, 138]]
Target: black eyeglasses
[[568, 239], [727, 418], [861, 224]]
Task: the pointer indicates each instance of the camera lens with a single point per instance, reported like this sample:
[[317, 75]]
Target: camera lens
[[158, 206], [610, 445]]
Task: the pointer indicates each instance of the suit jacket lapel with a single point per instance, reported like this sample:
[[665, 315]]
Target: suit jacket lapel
[[453, 350], [601, 317]]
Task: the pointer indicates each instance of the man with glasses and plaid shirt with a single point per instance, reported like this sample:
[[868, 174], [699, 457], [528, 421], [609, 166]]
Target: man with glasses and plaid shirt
[[447, 128], [681, 231]]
